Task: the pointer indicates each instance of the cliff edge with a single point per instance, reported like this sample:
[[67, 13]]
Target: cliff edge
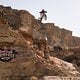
[[36, 44]]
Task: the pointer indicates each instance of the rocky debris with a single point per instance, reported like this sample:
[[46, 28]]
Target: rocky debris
[[70, 55], [73, 58], [37, 67], [60, 78], [66, 67]]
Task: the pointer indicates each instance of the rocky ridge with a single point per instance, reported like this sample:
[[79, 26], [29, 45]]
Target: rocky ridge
[[20, 30]]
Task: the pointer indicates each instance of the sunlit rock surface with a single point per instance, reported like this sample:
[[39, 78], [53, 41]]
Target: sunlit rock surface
[[34, 42]]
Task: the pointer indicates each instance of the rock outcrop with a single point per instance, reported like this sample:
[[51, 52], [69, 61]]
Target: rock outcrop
[[34, 42]]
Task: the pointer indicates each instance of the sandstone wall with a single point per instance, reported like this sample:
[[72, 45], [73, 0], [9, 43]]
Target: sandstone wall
[[17, 29], [76, 41], [56, 35], [23, 20]]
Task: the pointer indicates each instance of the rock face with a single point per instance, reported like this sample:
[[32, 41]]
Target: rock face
[[32, 40], [10, 36], [23, 20]]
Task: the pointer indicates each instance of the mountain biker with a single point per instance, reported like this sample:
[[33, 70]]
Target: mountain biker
[[43, 15]]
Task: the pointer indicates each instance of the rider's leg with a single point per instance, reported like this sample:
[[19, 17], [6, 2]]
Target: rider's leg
[[45, 16]]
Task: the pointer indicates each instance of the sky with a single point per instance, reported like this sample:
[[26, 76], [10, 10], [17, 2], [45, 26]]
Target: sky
[[64, 13]]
